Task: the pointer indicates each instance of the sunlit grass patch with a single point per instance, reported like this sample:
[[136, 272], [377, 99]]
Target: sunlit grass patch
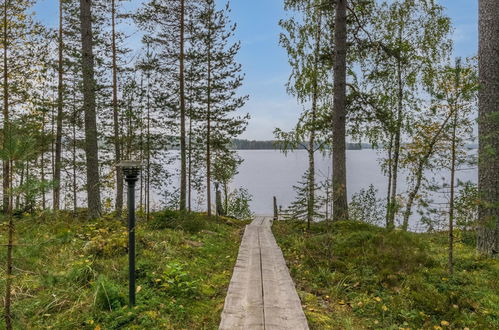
[[71, 273]]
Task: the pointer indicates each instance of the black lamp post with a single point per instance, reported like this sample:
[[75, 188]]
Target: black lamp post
[[131, 170]]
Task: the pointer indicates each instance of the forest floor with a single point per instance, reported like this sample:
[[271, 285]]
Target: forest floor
[[70, 273], [351, 275]]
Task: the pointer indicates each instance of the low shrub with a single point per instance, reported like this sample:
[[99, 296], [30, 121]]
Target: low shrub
[[168, 219], [108, 295], [176, 281]]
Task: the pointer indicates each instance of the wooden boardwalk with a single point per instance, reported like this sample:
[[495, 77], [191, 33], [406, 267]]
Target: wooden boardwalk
[[261, 293]]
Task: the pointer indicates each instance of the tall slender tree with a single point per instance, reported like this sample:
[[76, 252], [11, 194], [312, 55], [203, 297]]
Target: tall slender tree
[[183, 152], [406, 40], [220, 77], [339, 181], [116, 136], [5, 110], [89, 107], [488, 126], [309, 82], [60, 104]]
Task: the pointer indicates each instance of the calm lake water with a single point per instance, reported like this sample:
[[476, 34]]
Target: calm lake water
[[268, 173]]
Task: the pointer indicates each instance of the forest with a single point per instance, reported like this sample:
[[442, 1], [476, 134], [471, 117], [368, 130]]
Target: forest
[[161, 82]]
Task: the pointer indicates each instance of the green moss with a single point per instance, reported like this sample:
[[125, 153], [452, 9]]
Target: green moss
[[73, 274], [366, 277]]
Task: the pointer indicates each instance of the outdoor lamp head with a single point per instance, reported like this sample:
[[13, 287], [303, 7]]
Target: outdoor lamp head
[[130, 168]]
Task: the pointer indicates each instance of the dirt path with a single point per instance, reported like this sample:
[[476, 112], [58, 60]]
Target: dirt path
[[261, 293]]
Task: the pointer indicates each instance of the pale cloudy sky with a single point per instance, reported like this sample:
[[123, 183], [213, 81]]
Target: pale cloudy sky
[[265, 62]]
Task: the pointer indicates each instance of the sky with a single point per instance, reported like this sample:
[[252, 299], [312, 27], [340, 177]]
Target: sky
[[265, 63]]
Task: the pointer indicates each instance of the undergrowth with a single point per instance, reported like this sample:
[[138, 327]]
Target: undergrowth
[[71, 273], [351, 275]]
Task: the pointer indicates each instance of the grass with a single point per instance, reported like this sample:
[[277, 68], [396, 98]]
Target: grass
[[73, 274], [351, 275]]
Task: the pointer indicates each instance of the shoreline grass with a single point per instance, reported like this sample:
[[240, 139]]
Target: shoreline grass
[[351, 275]]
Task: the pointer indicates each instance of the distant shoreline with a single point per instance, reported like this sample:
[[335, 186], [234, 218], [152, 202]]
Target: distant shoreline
[[241, 144]]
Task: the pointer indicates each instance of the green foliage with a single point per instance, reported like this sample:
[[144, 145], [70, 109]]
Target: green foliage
[[176, 281], [189, 222], [164, 219], [466, 204], [107, 295], [81, 273], [365, 206], [299, 206], [352, 273], [238, 206]]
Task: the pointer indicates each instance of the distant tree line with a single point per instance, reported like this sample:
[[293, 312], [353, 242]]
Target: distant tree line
[[241, 144]]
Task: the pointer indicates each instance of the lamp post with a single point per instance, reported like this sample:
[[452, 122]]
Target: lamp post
[[131, 170]]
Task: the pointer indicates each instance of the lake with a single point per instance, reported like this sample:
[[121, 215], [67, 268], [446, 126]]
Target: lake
[[268, 173]]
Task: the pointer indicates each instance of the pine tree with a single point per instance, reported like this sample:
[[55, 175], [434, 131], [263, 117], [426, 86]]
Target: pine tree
[[488, 126], [340, 204], [165, 25], [220, 77], [116, 135], [24, 47], [89, 106], [60, 104]]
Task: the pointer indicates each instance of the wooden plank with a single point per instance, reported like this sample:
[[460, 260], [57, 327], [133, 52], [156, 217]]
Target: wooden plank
[[261, 293]]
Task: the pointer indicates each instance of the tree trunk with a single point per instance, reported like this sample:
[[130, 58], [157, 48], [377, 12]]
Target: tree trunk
[[21, 182], [148, 169], [6, 124], [75, 200], [488, 126], [311, 180], [226, 197], [74, 116], [388, 194], [396, 148], [189, 149], [451, 202], [183, 167], [208, 132], [340, 204], [58, 138], [311, 151], [117, 150], [189, 181], [420, 171], [91, 146], [8, 273], [276, 213], [6, 178], [42, 162], [453, 172]]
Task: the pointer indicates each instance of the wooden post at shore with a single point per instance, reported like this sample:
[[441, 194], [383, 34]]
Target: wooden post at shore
[[276, 214]]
